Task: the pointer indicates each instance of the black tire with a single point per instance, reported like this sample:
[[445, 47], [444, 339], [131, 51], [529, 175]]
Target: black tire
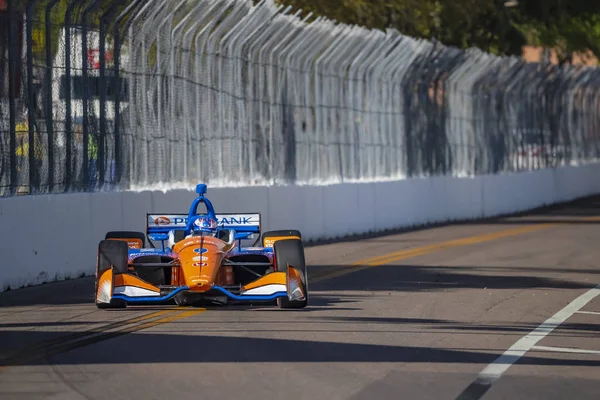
[[291, 251], [153, 275], [285, 232], [114, 303], [112, 253], [126, 235], [115, 253]]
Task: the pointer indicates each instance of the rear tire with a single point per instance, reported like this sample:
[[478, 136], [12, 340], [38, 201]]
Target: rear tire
[[112, 253], [291, 251], [127, 235], [280, 233]]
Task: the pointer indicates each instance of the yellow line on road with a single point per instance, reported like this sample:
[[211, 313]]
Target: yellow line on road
[[400, 255], [419, 251], [165, 320]]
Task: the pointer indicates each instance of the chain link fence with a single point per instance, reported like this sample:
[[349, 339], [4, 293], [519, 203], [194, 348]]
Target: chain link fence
[[167, 93]]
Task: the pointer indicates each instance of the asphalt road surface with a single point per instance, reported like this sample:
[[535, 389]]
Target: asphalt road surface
[[499, 309]]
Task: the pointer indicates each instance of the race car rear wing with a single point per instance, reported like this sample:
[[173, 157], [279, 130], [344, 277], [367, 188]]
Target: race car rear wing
[[241, 223]]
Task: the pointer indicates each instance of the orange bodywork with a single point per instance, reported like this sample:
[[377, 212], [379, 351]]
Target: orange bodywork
[[271, 279], [104, 286], [134, 281], [200, 259]]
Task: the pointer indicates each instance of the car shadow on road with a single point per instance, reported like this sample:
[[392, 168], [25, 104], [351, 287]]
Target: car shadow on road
[[68, 292], [213, 347], [407, 278], [391, 324], [415, 278]]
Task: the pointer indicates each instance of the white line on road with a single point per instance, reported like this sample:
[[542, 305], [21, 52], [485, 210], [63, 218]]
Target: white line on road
[[588, 312], [495, 370], [565, 350]]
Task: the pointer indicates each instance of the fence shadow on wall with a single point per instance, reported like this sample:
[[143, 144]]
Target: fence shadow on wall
[[125, 94]]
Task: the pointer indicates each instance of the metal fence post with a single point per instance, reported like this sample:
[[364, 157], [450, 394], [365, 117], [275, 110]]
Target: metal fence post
[[48, 97], [117, 89], [33, 164], [12, 94], [103, 87], [85, 81], [68, 99]]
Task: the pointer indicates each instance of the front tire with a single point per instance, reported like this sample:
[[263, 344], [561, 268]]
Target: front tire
[[111, 254], [291, 252]]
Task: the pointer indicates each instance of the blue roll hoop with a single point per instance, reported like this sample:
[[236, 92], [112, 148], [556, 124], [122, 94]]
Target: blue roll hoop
[[201, 189]]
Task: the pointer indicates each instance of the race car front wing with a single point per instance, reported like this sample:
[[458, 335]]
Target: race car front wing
[[132, 289]]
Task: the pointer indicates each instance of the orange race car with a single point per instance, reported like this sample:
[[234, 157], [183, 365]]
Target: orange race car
[[201, 259]]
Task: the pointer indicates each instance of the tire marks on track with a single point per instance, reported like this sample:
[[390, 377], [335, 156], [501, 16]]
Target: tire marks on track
[[69, 342]]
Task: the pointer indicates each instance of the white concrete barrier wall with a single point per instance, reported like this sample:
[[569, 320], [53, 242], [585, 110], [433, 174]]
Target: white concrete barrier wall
[[55, 237]]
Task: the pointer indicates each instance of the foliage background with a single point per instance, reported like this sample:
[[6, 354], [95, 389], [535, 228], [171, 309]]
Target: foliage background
[[497, 26], [501, 27]]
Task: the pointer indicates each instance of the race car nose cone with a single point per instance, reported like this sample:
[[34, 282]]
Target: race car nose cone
[[201, 285]]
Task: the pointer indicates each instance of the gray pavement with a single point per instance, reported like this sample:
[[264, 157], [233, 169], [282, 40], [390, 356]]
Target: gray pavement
[[421, 326]]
